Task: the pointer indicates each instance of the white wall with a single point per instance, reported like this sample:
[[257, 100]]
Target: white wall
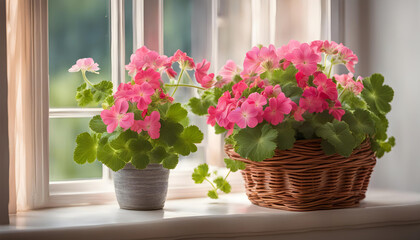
[[385, 34]]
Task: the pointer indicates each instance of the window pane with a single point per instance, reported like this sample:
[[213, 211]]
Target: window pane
[[77, 29], [304, 26], [63, 133], [128, 9], [234, 31], [178, 27]]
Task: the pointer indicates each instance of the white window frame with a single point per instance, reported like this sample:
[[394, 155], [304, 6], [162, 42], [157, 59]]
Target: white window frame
[[101, 191]]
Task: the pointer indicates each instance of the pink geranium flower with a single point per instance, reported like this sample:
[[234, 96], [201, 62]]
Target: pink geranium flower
[[150, 76], [326, 86], [304, 58], [141, 95], [347, 82], [302, 80], [257, 100], [298, 114], [85, 64], [205, 80], [183, 60], [228, 72], [270, 91], [259, 60], [347, 57], [152, 125], [279, 106], [124, 92], [313, 101], [117, 115], [246, 115], [144, 58], [337, 111], [238, 88], [288, 48]]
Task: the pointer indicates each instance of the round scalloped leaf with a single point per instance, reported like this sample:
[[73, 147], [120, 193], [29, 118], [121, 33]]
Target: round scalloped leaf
[[360, 122], [234, 165], [97, 125], [222, 184], [256, 143], [140, 160], [338, 135], [170, 161], [109, 156], [285, 136], [86, 148], [376, 94], [200, 173]]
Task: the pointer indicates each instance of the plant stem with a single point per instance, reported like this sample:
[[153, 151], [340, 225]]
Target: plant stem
[[179, 80], [215, 188], [188, 75], [227, 175], [85, 78], [329, 72], [184, 85]]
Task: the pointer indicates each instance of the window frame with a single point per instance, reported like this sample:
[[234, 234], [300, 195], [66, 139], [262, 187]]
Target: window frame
[[101, 191]]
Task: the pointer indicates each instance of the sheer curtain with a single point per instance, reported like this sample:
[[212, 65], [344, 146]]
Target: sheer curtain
[[21, 113]]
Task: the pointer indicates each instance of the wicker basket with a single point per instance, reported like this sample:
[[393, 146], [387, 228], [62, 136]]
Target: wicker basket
[[305, 179]]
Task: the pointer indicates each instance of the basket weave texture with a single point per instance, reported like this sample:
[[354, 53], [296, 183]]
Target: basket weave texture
[[305, 179]]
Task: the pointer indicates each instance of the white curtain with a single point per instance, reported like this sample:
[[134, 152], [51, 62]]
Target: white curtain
[[21, 143]]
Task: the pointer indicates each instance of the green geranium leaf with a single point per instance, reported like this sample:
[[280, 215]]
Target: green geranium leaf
[[213, 194], [158, 154], [140, 160], [200, 173], [139, 145], [101, 91], [338, 134], [218, 129], [381, 126], [283, 77], [86, 148], [108, 156], [353, 101], [121, 141], [256, 143], [170, 161], [285, 136], [376, 94], [189, 137], [97, 125], [234, 165], [327, 147], [200, 106], [176, 112], [222, 184], [170, 132], [307, 130], [292, 91], [84, 97], [108, 102], [360, 122], [163, 110]]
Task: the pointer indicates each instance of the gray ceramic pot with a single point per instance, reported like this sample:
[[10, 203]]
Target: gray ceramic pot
[[141, 189]]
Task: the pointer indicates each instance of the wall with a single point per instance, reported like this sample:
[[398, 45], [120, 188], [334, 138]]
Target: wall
[[385, 35]]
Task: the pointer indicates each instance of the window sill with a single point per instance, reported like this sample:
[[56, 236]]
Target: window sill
[[382, 215]]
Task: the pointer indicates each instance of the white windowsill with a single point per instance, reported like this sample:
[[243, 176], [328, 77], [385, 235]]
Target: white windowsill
[[382, 215]]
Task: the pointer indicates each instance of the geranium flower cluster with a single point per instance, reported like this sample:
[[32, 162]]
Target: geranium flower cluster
[[144, 92], [265, 100]]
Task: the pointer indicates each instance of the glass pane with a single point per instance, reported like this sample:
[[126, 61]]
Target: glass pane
[[63, 133], [234, 31], [180, 33], [297, 19], [77, 29], [128, 10]]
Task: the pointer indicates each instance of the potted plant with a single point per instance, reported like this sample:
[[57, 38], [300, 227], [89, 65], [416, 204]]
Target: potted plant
[[309, 138], [141, 130]]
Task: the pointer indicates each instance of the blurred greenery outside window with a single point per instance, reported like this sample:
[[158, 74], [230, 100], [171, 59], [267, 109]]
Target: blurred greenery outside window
[[79, 29]]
